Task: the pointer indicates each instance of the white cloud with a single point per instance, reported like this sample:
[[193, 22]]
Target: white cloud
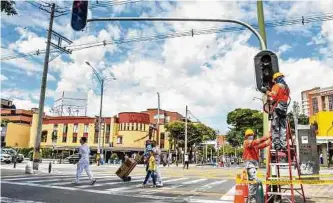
[[3, 78], [283, 49], [212, 74]]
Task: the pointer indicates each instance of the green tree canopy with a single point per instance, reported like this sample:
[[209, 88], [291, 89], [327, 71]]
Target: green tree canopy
[[196, 133], [302, 120], [241, 119], [8, 7]]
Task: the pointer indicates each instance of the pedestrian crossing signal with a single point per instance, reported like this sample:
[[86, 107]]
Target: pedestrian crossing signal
[[266, 64], [79, 15]]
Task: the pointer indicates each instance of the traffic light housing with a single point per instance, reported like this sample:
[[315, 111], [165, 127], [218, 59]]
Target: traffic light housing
[[266, 64], [79, 15]]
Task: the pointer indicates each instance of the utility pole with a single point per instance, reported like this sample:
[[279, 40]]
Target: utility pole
[[262, 31], [186, 131], [296, 114], [158, 120], [100, 118], [42, 92]]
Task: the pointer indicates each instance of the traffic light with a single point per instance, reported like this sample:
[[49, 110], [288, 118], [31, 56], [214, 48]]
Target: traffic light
[[265, 64], [79, 15]]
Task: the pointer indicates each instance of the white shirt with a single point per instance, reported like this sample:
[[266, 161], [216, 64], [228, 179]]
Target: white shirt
[[186, 158], [84, 151]]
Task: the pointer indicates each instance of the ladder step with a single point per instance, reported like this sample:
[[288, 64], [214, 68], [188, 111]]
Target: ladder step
[[279, 178], [285, 151], [279, 193], [282, 188], [280, 164]]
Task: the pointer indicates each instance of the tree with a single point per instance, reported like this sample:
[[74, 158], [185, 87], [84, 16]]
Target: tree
[[8, 7], [196, 134], [302, 120], [240, 120]]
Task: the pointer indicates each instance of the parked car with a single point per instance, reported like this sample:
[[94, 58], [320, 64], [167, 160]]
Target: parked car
[[7, 158], [74, 158], [13, 153]]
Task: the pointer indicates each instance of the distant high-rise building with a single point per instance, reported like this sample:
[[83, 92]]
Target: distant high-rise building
[[316, 100]]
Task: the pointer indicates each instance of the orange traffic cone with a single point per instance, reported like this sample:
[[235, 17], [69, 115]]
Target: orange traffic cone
[[241, 191]]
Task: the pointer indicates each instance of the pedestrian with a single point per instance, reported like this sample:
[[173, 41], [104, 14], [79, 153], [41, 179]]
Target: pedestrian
[[321, 158], [186, 161], [157, 153], [169, 160], [251, 158], [83, 162], [151, 170], [279, 96]]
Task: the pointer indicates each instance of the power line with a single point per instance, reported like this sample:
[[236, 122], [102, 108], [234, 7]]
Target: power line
[[192, 32], [104, 4]]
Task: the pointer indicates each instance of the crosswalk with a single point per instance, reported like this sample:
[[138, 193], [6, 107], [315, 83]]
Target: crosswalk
[[186, 188]]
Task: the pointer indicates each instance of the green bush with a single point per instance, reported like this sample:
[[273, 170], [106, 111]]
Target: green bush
[[25, 151], [46, 153], [114, 156]]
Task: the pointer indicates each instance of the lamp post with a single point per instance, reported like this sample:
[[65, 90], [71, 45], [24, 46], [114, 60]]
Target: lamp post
[[102, 81]]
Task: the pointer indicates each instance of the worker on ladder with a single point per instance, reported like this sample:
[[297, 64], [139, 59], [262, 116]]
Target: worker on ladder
[[278, 97], [251, 159]]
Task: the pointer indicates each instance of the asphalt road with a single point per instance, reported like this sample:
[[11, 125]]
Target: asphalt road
[[58, 187]]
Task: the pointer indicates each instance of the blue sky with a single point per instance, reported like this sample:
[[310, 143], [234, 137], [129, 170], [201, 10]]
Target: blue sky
[[211, 73]]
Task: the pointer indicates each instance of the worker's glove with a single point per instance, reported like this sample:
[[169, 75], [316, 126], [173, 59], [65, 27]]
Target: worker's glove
[[264, 89]]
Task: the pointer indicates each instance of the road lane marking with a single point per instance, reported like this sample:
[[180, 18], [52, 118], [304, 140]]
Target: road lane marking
[[194, 181], [36, 177], [69, 178], [15, 200], [229, 196], [112, 183]]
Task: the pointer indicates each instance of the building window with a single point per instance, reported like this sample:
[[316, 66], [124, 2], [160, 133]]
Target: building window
[[75, 128], [133, 126], [65, 129], [144, 127], [162, 140], [86, 127], [107, 137], [127, 126], [44, 136], [75, 138], [315, 105], [119, 140], [64, 138], [96, 138], [167, 119], [330, 102], [108, 127]]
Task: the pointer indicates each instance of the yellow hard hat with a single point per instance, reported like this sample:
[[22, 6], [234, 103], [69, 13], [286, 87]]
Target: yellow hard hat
[[276, 75], [249, 132]]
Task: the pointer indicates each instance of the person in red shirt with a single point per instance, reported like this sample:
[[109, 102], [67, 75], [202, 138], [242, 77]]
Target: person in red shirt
[[251, 158], [278, 97]]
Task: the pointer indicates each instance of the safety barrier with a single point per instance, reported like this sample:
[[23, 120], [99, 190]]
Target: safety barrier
[[288, 182]]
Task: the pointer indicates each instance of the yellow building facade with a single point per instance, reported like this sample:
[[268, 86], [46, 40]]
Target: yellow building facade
[[324, 120], [17, 135], [124, 136]]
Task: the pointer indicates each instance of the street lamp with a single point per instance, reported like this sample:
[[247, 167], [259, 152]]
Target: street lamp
[[254, 98], [101, 80]]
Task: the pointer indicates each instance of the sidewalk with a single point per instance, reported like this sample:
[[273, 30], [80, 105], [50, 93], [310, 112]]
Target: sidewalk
[[319, 193]]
